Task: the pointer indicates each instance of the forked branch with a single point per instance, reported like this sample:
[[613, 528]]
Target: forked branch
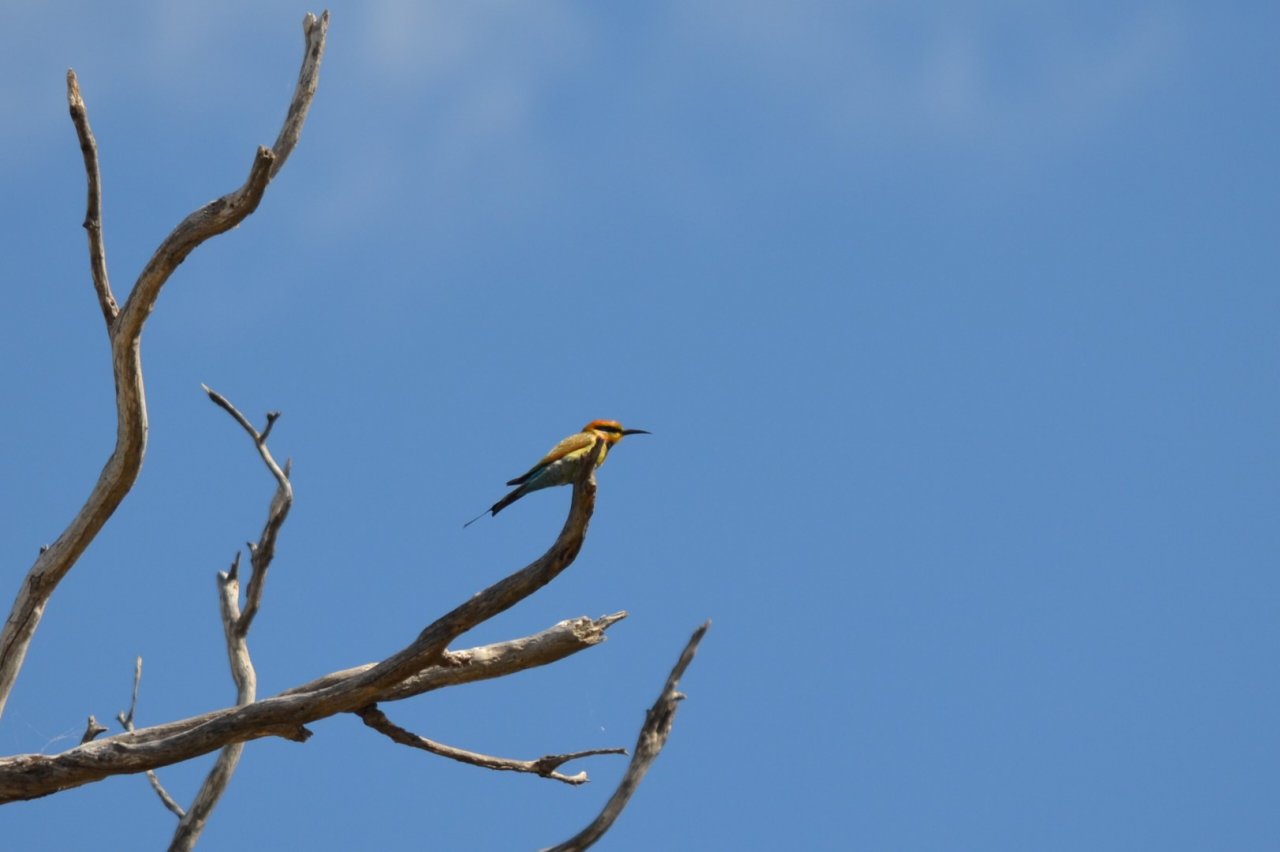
[[126, 722], [235, 625], [423, 665], [260, 554], [124, 326]]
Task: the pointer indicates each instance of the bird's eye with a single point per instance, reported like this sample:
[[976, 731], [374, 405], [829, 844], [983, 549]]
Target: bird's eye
[[611, 429]]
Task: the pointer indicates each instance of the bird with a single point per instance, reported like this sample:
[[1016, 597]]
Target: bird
[[562, 464]]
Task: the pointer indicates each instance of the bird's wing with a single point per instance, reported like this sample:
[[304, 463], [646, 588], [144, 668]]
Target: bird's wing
[[576, 441]]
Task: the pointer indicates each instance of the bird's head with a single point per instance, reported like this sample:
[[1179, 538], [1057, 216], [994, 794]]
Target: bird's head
[[611, 431]]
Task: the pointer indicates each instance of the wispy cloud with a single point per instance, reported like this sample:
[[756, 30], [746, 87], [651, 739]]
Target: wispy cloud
[[992, 74], [485, 67]]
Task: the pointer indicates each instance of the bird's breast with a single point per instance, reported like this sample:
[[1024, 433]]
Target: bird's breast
[[565, 469]]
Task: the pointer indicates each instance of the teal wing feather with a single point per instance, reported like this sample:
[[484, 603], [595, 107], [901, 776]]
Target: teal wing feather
[[573, 443]]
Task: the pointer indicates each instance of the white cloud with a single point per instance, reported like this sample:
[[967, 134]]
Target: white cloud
[[993, 74], [488, 61]]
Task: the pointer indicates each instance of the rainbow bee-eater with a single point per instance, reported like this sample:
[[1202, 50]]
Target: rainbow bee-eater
[[563, 463]]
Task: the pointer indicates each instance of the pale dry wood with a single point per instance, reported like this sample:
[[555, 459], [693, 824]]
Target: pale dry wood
[[423, 665], [236, 622], [488, 661], [455, 668], [246, 679], [93, 207], [653, 736], [264, 550], [547, 766], [125, 332], [314, 31], [29, 776]]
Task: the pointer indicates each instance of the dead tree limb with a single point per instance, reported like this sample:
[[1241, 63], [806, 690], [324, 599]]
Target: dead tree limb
[[653, 736], [546, 766], [235, 624], [487, 662], [124, 330], [260, 554], [93, 207], [215, 783], [29, 776], [423, 665]]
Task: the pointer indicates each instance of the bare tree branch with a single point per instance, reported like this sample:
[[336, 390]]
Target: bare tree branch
[[125, 329], [246, 680], [545, 766], [313, 33], [264, 551], [653, 736], [29, 776], [231, 209], [489, 661], [93, 211], [126, 722], [486, 662], [235, 626], [423, 665]]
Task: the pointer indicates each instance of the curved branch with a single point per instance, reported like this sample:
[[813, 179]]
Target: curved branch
[[28, 776], [313, 32], [235, 626], [547, 766], [125, 328], [260, 554], [653, 736]]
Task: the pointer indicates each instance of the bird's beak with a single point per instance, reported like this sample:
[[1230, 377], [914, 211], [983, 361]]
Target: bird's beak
[[636, 432]]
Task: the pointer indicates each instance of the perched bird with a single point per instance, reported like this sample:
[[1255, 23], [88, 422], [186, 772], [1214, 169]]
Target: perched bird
[[562, 464]]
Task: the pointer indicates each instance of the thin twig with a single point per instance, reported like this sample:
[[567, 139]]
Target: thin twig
[[653, 736], [126, 722], [223, 403], [545, 766]]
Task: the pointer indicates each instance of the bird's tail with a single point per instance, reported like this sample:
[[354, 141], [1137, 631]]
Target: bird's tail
[[499, 506]]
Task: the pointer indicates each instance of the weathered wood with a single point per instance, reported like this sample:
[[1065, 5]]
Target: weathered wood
[[124, 326], [547, 766], [29, 776], [653, 736]]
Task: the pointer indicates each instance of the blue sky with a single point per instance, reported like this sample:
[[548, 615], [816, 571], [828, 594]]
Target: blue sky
[[955, 325]]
